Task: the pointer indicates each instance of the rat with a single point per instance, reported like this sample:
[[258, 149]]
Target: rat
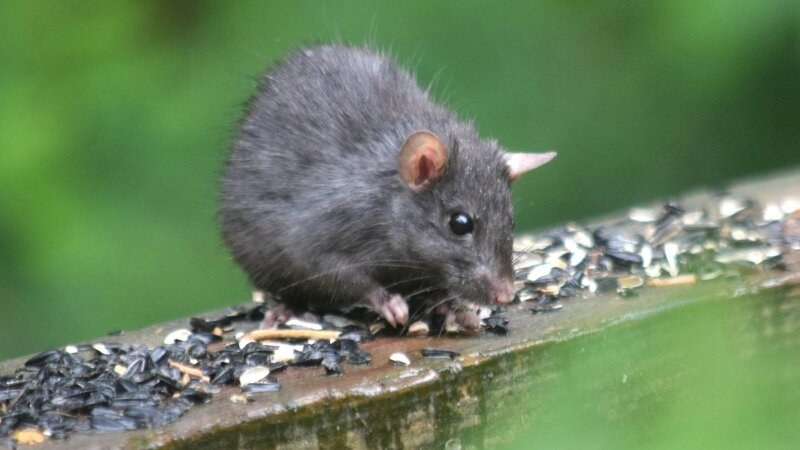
[[347, 185]]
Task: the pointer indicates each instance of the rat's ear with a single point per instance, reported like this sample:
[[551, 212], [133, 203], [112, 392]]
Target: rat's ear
[[422, 160], [519, 163]]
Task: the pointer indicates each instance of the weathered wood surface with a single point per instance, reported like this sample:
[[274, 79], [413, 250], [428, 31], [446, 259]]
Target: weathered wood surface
[[425, 404]]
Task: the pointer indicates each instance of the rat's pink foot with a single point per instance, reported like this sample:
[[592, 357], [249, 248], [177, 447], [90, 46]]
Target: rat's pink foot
[[275, 316], [392, 307]]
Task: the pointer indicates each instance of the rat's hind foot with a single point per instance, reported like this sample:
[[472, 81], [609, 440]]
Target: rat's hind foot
[[392, 307], [276, 315]]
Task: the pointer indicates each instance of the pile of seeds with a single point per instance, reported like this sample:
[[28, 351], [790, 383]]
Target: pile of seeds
[[106, 387], [660, 246], [113, 387]]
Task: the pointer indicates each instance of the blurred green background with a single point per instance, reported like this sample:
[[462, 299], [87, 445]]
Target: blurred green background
[[115, 117], [712, 375]]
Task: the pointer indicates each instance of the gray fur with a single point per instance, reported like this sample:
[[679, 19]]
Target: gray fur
[[313, 207]]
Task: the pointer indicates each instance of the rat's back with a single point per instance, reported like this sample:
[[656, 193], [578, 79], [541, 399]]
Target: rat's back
[[335, 100]]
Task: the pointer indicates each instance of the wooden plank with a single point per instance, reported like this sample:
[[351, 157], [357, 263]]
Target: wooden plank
[[430, 401]]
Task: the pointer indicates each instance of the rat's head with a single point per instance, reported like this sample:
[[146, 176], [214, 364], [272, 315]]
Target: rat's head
[[460, 224]]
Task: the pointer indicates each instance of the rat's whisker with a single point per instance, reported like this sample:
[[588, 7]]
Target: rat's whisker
[[427, 289], [424, 312], [409, 280], [337, 271]]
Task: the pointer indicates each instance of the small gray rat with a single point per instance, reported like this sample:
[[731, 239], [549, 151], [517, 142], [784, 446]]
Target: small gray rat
[[348, 186]]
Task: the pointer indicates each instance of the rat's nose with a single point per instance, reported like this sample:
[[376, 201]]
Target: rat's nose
[[502, 291], [497, 290]]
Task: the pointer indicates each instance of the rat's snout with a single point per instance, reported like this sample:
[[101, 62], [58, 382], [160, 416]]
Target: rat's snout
[[502, 291], [499, 290]]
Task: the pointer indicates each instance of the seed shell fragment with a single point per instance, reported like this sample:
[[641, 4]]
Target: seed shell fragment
[[418, 328], [253, 375], [439, 353], [399, 359]]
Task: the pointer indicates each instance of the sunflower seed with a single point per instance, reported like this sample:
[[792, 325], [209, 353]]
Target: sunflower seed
[[261, 386], [418, 328], [340, 322], [643, 215], [399, 359], [179, 335], [302, 324], [253, 375], [438, 353]]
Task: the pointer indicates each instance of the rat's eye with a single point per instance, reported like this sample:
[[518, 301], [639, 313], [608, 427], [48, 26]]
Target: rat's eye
[[461, 223]]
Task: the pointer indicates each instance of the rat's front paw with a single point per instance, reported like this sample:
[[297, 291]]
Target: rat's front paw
[[392, 307], [275, 316]]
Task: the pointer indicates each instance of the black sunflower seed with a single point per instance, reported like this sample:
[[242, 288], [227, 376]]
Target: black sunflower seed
[[195, 396], [44, 358], [109, 424], [261, 386], [439, 353], [359, 357], [331, 365]]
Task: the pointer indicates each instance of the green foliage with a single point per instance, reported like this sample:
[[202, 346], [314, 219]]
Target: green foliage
[[115, 116]]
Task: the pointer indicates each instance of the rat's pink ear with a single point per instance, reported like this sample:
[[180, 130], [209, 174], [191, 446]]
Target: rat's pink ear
[[519, 163], [422, 160]]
